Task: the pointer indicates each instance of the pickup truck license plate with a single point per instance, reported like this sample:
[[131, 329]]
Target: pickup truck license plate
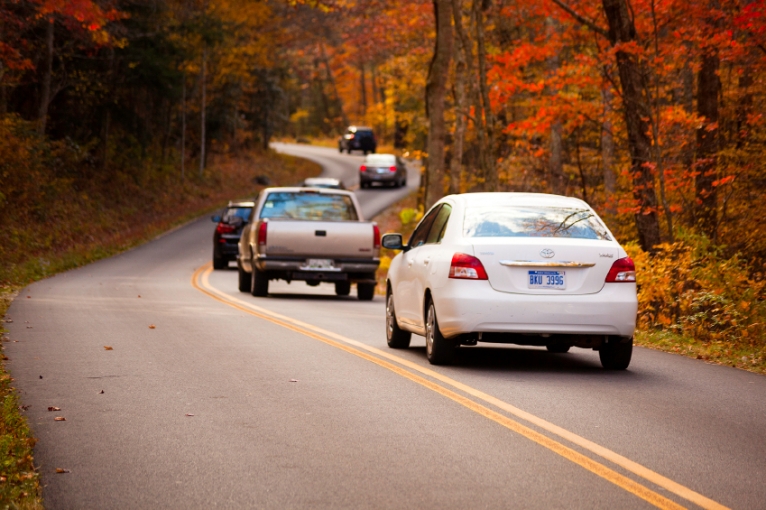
[[319, 265], [547, 280]]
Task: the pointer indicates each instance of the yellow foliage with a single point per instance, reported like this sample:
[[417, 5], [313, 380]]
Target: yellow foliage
[[690, 288]]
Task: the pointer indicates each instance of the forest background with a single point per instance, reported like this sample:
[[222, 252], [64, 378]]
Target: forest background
[[118, 117], [650, 110]]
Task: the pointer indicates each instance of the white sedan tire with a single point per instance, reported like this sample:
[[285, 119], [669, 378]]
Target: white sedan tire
[[396, 337], [439, 350]]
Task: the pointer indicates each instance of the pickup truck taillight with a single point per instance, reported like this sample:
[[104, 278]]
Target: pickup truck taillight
[[362, 168], [262, 228], [392, 169], [375, 237], [224, 228]]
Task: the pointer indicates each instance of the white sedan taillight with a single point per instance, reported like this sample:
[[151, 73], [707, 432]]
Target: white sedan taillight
[[466, 267], [623, 270]]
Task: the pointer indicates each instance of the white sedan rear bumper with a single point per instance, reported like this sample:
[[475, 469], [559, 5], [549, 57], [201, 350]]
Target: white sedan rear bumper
[[464, 306]]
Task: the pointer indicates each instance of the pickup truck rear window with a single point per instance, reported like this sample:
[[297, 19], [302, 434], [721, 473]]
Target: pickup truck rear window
[[308, 206]]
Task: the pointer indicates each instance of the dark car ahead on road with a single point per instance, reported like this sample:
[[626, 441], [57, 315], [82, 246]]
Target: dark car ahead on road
[[385, 169], [358, 138], [228, 231]]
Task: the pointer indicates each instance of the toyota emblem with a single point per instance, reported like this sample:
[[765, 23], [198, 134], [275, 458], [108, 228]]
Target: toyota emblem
[[547, 253]]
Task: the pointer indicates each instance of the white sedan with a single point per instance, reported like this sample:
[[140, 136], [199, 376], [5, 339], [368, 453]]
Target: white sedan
[[521, 268]]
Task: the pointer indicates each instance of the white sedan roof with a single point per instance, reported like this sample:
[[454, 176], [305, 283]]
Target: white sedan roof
[[508, 198]]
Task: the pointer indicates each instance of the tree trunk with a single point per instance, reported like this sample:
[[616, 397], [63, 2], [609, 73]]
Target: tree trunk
[[331, 79], [461, 99], [45, 92], [203, 110], [435, 94], [708, 86], [363, 88], [622, 31], [607, 149], [183, 128], [556, 161], [490, 172]]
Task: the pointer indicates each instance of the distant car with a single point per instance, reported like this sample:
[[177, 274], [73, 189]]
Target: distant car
[[521, 268], [385, 169], [323, 182], [227, 232], [358, 138]]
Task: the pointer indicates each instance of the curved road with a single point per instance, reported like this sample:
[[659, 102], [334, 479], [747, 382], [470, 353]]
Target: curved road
[[214, 398], [346, 168]]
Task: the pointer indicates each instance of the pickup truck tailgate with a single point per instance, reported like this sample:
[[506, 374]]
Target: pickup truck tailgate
[[331, 239]]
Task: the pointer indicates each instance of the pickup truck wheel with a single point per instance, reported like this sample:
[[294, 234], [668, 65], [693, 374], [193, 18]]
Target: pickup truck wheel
[[615, 354], [244, 280], [396, 337], [558, 348], [342, 288], [220, 263], [439, 350], [365, 291], [259, 283]]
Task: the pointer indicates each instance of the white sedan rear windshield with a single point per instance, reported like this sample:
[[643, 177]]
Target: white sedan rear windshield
[[533, 221], [308, 206]]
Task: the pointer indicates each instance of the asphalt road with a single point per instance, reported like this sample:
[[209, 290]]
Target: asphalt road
[[294, 401]]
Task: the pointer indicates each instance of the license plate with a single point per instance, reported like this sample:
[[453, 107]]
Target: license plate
[[319, 265], [382, 170], [547, 280]]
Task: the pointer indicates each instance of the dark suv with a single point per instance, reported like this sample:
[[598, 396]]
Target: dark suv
[[358, 138], [228, 231]]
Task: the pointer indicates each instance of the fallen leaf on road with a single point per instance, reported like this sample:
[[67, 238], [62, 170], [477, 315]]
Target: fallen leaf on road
[[108, 348], [152, 326], [41, 377], [29, 327], [28, 297], [59, 418], [54, 408], [101, 392], [139, 295], [189, 414], [24, 408], [62, 470], [293, 380]]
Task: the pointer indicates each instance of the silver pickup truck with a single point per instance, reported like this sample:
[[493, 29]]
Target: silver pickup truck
[[314, 235]]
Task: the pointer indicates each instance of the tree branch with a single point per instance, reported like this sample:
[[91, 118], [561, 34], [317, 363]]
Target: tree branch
[[585, 21]]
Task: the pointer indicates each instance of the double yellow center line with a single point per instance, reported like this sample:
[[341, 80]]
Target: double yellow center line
[[445, 386]]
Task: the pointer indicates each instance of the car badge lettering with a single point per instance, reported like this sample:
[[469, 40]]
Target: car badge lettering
[[547, 253], [608, 255]]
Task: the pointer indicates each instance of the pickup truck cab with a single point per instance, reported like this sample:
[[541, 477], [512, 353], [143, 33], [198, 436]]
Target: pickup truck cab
[[310, 234]]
